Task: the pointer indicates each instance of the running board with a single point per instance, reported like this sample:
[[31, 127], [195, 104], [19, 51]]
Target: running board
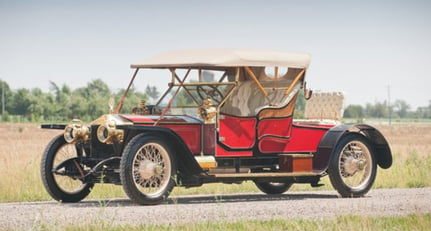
[[264, 174]]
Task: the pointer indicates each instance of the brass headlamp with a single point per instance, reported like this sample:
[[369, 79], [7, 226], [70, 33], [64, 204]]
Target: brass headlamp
[[108, 133], [76, 131]]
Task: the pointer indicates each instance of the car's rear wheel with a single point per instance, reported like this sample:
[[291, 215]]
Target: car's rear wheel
[[353, 168], [58, 184], [272, 187], [147, 170]]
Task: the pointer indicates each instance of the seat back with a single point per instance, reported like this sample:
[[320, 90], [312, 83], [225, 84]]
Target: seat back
[[325, 106], [247, 100]]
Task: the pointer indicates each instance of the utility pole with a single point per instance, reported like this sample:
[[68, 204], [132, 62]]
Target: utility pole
[[2, 99], [389, 104]]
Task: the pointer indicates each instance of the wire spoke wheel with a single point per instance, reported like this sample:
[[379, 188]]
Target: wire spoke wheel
[[64, 184], [353, 168], [355, 164], [151, 169], [147, 169]]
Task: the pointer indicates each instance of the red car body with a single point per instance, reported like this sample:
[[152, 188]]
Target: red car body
[[236, 127]]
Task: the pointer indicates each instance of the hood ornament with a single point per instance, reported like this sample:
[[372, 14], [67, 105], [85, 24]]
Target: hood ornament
[[111, 103]]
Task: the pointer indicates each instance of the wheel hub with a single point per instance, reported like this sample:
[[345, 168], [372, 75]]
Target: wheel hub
[[147, 169], [353, 165]]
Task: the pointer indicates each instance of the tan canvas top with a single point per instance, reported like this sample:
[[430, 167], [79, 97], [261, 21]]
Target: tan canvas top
[[225, 58]]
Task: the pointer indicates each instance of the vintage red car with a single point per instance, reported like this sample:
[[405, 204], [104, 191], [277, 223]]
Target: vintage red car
[[227, 116]]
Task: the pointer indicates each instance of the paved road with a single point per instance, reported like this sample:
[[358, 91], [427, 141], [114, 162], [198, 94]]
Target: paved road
[[186, 209]]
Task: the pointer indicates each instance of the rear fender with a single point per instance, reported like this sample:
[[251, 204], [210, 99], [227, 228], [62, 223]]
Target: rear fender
[[187, 164], [327, 145]]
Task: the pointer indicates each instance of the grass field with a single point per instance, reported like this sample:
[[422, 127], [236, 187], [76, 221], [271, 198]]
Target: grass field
[[351, 223], [22, 146]]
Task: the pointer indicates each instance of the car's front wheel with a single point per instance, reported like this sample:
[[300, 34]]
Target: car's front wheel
[[353, 167], [147, 170], [62, 184], [272, 187]]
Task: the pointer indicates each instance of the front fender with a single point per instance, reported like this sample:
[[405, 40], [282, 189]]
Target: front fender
[[328, 142], [187, 164]]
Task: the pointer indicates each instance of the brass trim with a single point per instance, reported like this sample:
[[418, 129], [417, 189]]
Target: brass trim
[[206, 161], [204, 84], [298, 156]]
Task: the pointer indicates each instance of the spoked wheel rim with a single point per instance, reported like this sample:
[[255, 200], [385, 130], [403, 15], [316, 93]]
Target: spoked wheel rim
[[151, 169], [65, 183], [355, 165]]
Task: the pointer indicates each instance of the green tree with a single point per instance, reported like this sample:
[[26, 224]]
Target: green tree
[[300, 106], [132, 100], [40, 105], [7, 93], [377, 110], [354, 111], [97, 95], [79, 107], [94, 89], [62, 101], [21, 102], [401, 108]]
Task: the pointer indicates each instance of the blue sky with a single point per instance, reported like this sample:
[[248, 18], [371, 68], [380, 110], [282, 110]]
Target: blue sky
[[359, 47]]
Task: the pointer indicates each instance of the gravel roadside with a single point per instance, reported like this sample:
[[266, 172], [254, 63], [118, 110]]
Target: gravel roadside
[[203, 208]]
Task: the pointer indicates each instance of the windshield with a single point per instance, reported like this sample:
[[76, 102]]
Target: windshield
[[190, 87]]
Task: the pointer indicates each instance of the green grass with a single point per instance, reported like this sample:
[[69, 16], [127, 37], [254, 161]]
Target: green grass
[[410, 171], [410, 222]]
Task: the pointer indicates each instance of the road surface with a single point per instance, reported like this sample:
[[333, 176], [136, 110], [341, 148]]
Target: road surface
[[203, 208]]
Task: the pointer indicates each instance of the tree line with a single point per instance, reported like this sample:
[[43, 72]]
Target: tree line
[[399, 109], [62, 103]]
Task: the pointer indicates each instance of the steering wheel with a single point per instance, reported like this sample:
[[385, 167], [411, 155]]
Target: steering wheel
[[210, 92]]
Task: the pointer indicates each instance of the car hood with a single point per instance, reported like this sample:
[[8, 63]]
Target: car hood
[[125, 119], [166, 119]]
